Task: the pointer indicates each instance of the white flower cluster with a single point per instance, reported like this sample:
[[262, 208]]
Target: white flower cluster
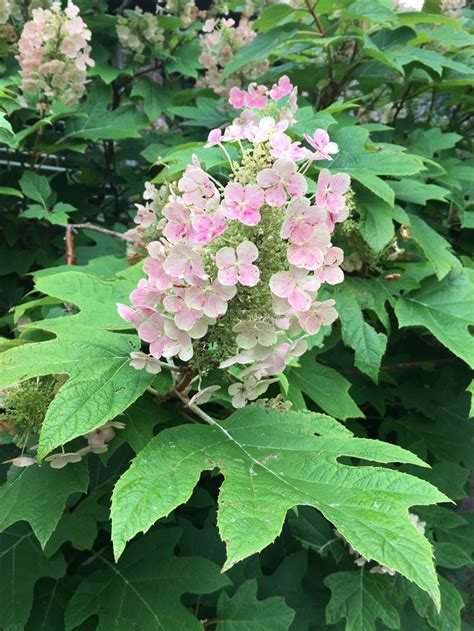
[[138, 30]]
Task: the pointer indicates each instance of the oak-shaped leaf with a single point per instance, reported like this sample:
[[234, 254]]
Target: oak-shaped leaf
[[361, 598], [271, 463], [38, 495], [245, 609], [101, 382], [446, 309], [22, 564], [143, 591]]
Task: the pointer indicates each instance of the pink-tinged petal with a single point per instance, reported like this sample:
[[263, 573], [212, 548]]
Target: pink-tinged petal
[[321, 138], [250, 217], [253, 196], [149, 331], [127, 313], [225, 257], [249, 275], [340, 183], [284, 168], [305, 256], [333, 275], [186, 319], [282, 284], [214, 137], [225, 292], [324, 179], [275, 197], [214, 305], [335, 202], [247, 252], [157, 347], [296, 185], [334, 256], [228, 276], [299, 300], [237, 97], [267, 178]]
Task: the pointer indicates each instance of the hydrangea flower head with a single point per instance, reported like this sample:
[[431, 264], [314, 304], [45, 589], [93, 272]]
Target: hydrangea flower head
[[237, 263], [54, 53]]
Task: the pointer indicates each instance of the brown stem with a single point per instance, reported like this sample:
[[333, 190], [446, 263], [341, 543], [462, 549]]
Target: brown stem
[[70, 254], [94, 228]]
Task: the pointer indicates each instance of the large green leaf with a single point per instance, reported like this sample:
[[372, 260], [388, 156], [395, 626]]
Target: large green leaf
[[326, 387], [143, 591], [366, 165], [360, 598], [434, 246], [244, 610], [101, 384], [271, 463], [369, 346], [38, 495], [446, 309], [96, 122], [22, 564]]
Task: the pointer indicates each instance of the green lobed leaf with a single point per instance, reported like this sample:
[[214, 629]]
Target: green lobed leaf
[[325, 386], [376, 223], [361, 598], [244, 608], [35, 187], [156, 98], [22, 564], [101, 382], [436, 249], [445, 308], [143, 591], [368, 345], [38, 495], [271, 463]]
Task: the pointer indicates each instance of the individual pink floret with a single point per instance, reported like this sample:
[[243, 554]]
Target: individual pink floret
[[296, 285], [301, 218], [310, 255], [319, 314], [208, 226], [243, 203], [256, 96], [280, 179], [211, 299], [184, 262], [281, 89], [281, 146], [196, 187], [330, 272], [214, 138], [331, 189], [236, 265], [321, 145]]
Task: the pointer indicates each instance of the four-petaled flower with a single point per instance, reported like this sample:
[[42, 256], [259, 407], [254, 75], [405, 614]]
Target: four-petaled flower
[[296, 285], [331, 189], [321, 144], [243, 202], [280, 179], [319, 314], [330, 272], [281, 89], [301, 218], [236, 266], [211, 299], [281, 146]]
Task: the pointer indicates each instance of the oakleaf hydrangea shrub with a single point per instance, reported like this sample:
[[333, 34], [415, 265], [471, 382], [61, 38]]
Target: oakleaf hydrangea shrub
[[233, 278]]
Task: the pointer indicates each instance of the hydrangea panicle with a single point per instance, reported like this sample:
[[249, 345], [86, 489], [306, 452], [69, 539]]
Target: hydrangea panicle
[[54, 53], [236, 266]]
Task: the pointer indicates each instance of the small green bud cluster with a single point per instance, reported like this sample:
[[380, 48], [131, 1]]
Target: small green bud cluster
[[25, 405]]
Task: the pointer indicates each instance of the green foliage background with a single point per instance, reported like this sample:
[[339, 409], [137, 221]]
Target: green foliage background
[[239, 517]]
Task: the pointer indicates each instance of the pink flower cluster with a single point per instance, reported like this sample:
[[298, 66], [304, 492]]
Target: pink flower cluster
[[251, 252], [54, 54], [220, 40]]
